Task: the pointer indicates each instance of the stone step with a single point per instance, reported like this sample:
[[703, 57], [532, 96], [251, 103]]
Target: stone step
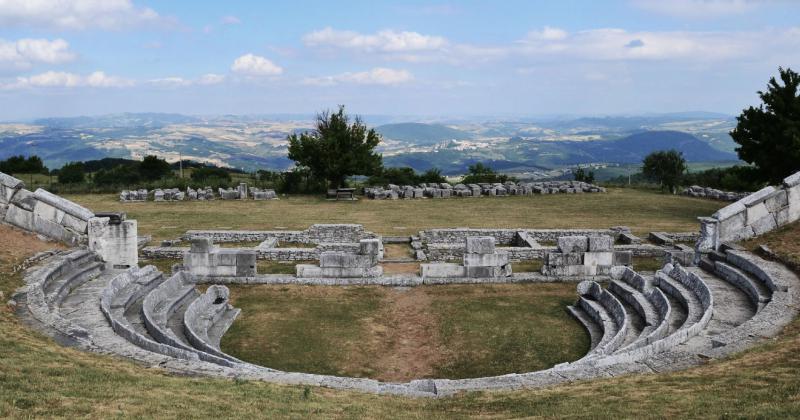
[[603, 319], [644, 317], [686, 298], [594, 330], [57, 289], [755, 289], [220, 327]]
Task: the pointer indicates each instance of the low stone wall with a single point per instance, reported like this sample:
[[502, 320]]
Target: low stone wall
[[756, 214], [713, 193], [445, 190], [505, 237], [315, 234], [269, 254]]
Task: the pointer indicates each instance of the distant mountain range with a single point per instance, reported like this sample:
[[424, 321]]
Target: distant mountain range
[[253, 142]]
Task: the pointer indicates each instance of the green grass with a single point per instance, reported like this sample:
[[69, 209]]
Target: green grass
[[644, 211], [475, 330], [531, 266], [647, 263]]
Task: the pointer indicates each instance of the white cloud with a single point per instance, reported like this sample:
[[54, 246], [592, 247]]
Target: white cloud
[[57, 79], [697, 8], [255, 66], [377, 76], [24, 53], [548, 34], [210, 79], [230, 20], [387, 41], [75, 14], [170, 82], [619, 44]]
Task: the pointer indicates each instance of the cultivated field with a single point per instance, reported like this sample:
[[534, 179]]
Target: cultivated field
[[642, 210]]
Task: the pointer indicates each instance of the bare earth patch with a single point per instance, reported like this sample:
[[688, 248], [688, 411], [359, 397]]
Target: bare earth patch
[[17, 246]]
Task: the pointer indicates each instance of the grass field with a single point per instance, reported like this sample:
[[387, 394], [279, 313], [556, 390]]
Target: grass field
[[399, 334], [642, 210]]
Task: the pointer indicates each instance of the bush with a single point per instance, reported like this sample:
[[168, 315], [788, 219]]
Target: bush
[[735, 178], [153, 168], [480, 173], [72, 173], [126, 175]]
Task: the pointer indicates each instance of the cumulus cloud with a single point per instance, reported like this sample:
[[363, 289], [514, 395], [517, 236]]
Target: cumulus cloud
[[251, 65], [177, 81], [384, 41], [210, 79], [376, 76], [57, 79], [697, 8], [24, 53], [75, 14]]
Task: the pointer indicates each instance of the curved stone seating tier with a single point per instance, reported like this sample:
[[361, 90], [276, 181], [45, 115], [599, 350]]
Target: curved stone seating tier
[[207, 318], [637, 325], [48, 284], [118, 296], [164, 302]]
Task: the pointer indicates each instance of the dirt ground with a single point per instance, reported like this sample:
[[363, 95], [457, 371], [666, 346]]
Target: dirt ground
[[15, 247]]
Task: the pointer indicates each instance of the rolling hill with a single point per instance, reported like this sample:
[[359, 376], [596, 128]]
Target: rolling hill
[[421, 134]]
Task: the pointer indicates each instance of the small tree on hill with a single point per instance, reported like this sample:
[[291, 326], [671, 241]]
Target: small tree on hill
[[583, 176], [769, 136], [337, 149], [665, 167], [71, 173]]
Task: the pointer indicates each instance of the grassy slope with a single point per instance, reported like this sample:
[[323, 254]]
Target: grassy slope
[[39, 377], [643, 211]]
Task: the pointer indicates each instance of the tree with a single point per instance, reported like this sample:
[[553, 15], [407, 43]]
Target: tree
[[583, 176], [119, 175], [208, 173], [153, 168], [71, 173], [769, 136], [432, 175], [337, 149], [665, 167], [22, 165], [480, 173]]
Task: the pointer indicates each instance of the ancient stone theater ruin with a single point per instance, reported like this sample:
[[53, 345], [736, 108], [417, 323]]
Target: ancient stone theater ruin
[[706, 302]]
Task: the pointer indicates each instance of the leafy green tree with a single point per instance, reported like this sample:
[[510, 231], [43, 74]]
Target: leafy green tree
[[665, 167], [72, 173], [337, 149], [153, 168], [769, 136], [481, 173]]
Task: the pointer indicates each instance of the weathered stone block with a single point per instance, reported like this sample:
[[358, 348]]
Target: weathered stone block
[[334, 259], [24, 199], [776, 201], [757, 196], [623, 258], [48, 212], [74, 223], [729, 211], [756, 212], [224, 257], [486, 260], [567, 244], [63, 204], [598, 258], [731, 229], [793, 198], [370, 246], [480, 245], [601, 243], [442, 270], [792, 180], [764, 225], [19, 217], [201, 245]]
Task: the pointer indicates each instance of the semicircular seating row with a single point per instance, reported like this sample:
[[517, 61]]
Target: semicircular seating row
[[637, 324]]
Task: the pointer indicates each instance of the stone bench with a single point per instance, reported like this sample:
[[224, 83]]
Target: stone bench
[[203, 314]]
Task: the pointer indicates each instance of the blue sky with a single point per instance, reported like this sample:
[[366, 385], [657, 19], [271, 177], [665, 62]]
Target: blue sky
[[515, 58]]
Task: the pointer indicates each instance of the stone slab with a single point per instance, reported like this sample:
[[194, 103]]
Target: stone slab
[[568, 244], [63, 204], [601, 243], [480, 245]]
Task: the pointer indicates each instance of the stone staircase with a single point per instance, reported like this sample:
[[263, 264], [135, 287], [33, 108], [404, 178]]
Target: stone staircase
[[637, 324]]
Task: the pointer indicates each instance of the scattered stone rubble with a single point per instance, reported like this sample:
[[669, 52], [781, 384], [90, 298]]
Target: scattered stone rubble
[[712, 193], [446, 190], [133, 195], [170, 194], [241, 192]]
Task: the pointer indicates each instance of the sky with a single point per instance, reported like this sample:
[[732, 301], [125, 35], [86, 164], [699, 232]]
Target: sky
[[460, 58]]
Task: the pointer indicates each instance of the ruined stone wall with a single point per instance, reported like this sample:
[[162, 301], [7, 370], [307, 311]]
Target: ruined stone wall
[[756, 214], [505, 237], [42, 212], [316, 234]]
